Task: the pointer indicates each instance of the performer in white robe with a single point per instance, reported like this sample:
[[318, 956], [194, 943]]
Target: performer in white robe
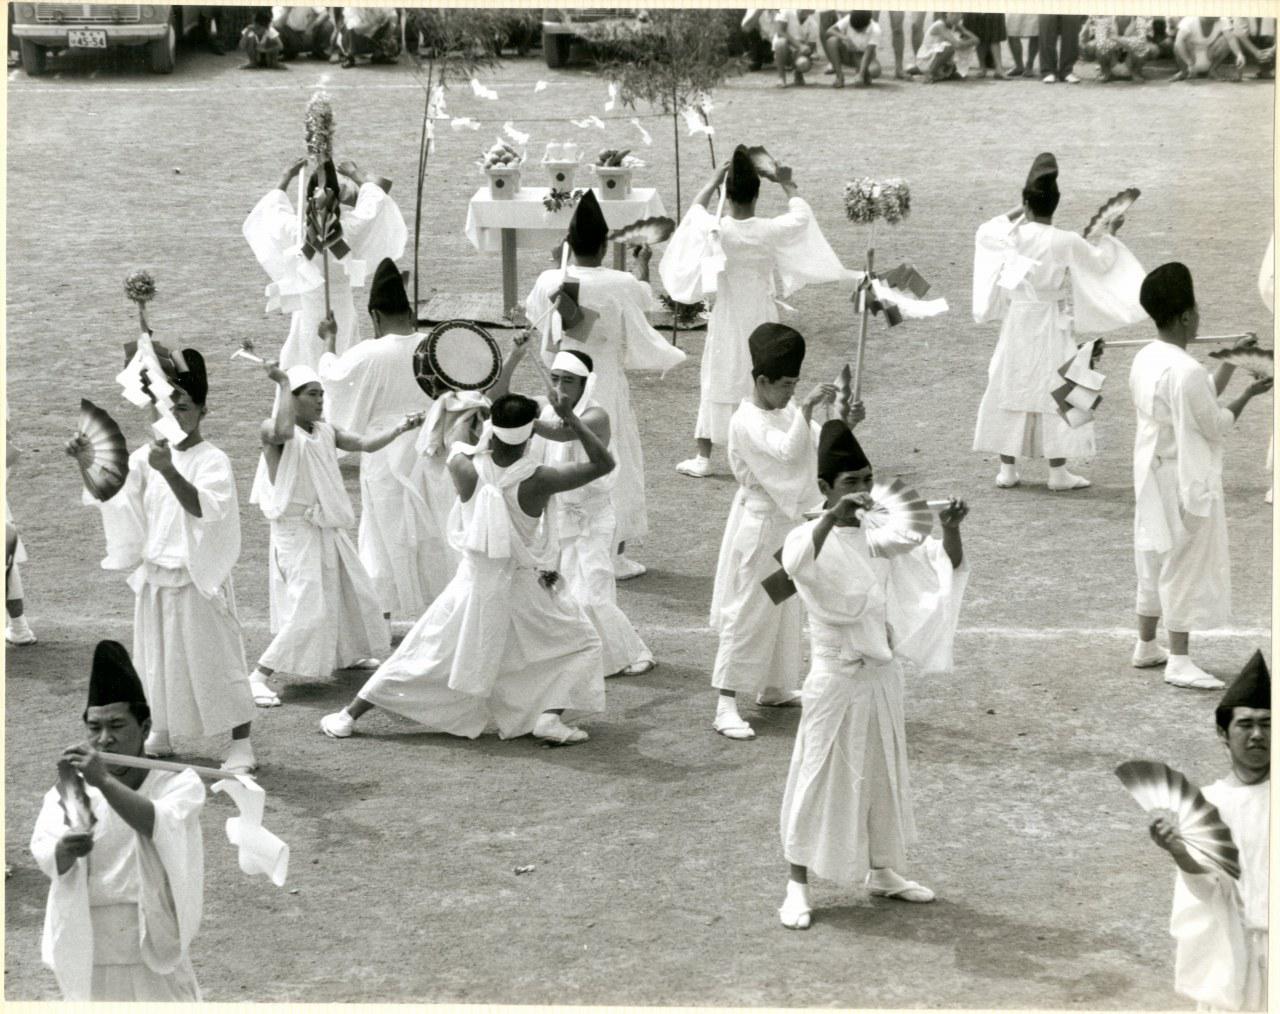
[[506, 646], [17, 630], [772, 451], [846, 812], [324, 611], [125, 896], [175, 530], [372, 386], [735, 257], [1220, 924], [1180, 522], [1025, 270], [372, 229], [618, 337], [583, 518]]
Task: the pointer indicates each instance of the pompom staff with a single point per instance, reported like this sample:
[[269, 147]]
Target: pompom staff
[[867, 201]]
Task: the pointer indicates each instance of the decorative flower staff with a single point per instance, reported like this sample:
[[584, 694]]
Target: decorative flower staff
[[141, 288], [323, 230], [866, 201]]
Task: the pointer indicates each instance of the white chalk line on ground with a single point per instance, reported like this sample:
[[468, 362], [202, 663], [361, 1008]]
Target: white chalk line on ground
[[1006, 633]]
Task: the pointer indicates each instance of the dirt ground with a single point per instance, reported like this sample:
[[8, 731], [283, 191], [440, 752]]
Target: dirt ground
[[657, 868]]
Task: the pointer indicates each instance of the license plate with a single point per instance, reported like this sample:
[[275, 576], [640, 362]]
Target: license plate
[[87, 40]]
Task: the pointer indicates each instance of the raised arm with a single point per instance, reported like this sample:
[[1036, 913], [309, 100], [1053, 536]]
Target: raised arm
[[703, 197], [375, 442], [595, 419], [502, 386], [551, 479], [160, 458], [278, 430]]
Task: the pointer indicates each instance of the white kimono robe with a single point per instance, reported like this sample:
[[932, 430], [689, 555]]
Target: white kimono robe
[[497, 648], [790, 246], [373, 229], [372, 386], [324, 612], [1180, 522], [847, 804], [187, 643], [583, 519], [119, 923], [774, 457], [1020, 276], [621, 339], [1221, 926]]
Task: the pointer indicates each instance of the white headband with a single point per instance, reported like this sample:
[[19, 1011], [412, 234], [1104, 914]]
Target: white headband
[[514, 435], [569, 363], [301, 375]]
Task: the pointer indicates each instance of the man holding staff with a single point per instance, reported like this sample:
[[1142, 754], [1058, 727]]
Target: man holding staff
[[126, 882], [372, 229], [175, 529], [1180, 520]]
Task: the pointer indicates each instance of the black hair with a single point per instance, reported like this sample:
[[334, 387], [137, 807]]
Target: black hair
[[830, 477], [858, 20], [742, 185], [756, 374], [512, 411], [262, 17], [1042, 204]]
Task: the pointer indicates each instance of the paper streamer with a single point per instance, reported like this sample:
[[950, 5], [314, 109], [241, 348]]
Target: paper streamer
[[436, 105], [613, 97], [696, 126], [481, 92], [459, 122], [519, 136], [261, 852], [915, 309], [645, 136], [541, 86], [590, 121]]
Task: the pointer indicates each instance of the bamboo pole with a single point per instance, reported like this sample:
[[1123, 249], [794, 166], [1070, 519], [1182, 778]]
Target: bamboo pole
[[1203, 340], [862, 328], [151, 764]]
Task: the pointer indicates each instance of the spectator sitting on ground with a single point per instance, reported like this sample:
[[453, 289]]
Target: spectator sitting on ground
[[261, 43], [1249, 41], [853, 40], [946, 43], [304, 31], [371, 31], [1200, 47], [795, 39], [1137, 41], [1100, 41]]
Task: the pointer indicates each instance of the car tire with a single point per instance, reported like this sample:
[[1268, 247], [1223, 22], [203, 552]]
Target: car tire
[[555, 49], [32, 57], [162, 53]]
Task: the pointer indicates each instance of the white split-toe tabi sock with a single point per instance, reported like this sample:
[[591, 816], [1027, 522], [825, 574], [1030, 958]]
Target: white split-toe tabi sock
[[796, 908], [1008, 475], [1180, 671]]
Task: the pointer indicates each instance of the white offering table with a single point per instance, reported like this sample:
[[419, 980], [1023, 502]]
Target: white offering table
[[502, 226]]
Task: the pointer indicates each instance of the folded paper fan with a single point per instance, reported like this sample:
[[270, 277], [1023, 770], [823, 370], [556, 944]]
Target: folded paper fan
[[767, 166], [73, 799], [1100, 224], [646, 232], [898, 521], [1157, 786], [110, 465], [1260, 362]]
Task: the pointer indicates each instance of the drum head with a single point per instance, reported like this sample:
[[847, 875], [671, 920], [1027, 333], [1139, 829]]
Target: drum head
[[459, 354]]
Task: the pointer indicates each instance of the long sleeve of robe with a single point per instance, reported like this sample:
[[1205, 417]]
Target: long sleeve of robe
[[144, 522], [164, 875], [1220, 925]]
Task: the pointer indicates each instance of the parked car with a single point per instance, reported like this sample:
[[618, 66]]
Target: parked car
[[560, 27], [47, 28]]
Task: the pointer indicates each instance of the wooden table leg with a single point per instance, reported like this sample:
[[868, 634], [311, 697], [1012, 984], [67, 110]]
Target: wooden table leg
[[510, 276]]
